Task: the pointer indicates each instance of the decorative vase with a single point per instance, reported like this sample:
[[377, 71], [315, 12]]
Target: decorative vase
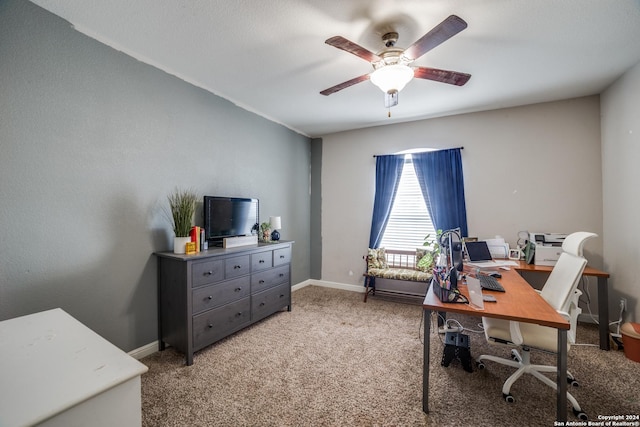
[[179, 244], [266, 235]]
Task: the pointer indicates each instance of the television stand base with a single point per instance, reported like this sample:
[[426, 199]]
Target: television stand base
[[234, 242]]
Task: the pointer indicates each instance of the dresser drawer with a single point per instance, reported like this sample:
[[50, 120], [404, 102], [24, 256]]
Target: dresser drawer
[[267, 279], [261, 261], [207, 272], [267, 302], [216, 324], [281, 256], [236, 266], [211, 296]]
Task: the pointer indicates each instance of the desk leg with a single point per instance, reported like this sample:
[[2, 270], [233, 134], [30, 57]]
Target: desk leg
[[425, 361], [603, 312], [561, 411]]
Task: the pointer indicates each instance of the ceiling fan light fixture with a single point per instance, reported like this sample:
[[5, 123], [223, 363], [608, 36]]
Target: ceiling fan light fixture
[[392, 77]]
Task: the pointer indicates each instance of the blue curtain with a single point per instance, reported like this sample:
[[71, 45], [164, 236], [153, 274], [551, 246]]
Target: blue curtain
[[441, 181], [388, 173]]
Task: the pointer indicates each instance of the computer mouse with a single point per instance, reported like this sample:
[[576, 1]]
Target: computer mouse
[[496, 275]]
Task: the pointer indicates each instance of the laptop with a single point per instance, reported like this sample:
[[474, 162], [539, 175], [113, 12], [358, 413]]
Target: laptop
[[480, 256], [478, 251], [475, 293]]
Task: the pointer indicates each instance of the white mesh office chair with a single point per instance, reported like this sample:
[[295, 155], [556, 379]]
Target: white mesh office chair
[[560, 291]]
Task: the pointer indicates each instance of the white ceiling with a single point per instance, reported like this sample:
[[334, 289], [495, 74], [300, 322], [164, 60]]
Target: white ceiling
[[270, 58]]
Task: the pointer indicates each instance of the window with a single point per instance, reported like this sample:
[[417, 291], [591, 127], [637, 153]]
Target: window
[[409, 222]]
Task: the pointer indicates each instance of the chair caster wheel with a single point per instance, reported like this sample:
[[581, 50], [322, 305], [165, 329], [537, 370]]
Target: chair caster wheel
[[508, 398], [572, 382], [479, 365], [580, 415]]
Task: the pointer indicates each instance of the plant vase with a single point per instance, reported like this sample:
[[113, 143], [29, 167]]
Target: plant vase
[[182, 204], [180, 244]]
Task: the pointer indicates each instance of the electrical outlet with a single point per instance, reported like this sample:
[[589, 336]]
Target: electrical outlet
[[623, 304]]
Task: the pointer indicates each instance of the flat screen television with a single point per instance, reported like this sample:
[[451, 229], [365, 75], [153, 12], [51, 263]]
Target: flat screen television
[[229, 217]]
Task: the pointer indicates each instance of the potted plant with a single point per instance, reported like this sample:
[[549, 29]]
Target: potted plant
[[265, 232], [183, 206], [429, 256]]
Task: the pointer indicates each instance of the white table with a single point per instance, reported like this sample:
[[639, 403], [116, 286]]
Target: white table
[[54, 371]]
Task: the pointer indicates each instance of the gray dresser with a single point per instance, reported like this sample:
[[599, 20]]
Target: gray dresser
[[205, 297]]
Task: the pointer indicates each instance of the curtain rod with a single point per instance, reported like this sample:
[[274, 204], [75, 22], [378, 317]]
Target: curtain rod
[[378, 155]]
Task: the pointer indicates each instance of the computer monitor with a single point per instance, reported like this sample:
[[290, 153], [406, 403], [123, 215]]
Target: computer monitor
[[452, 242]]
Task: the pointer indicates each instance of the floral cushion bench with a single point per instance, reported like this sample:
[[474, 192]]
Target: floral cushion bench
[[410, 272]]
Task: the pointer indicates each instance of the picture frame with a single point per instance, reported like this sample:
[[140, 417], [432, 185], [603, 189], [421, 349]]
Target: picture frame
[[515, 254]]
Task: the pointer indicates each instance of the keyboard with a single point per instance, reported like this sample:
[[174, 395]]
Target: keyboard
[[490, 283]]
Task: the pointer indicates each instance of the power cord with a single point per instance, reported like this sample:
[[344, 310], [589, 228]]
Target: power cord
[[453, 325], [585, 291]]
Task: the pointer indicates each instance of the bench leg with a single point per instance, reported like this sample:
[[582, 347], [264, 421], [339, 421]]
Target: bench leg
[[367, 289]]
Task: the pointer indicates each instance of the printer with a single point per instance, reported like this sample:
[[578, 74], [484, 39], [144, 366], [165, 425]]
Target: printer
[[548, 247]]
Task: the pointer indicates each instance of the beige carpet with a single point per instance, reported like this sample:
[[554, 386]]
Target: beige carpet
[[335, 360]]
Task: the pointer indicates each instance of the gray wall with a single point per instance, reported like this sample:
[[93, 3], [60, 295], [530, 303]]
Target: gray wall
[[621, 175], [535, 168], [316, 208], [91, 143]]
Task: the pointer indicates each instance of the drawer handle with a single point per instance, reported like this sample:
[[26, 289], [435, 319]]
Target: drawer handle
[[281, 274], [208, 273], [237, 266], [281, 256], [237, 289], [261, 304], [261, 261], [238, 314], [261, 282], [281, 295], [210, 325], [210, 297]]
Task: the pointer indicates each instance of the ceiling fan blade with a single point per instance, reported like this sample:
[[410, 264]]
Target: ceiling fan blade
[[443, 76], [439, 34], [349, 46], [344, 85]]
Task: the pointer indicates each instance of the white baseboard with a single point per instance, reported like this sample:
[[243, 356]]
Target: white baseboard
[[335, 285], [144, 351], [301, 285], [326, 284], [587, 318]]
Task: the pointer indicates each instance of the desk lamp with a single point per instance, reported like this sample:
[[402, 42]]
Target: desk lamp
[[276, 224]]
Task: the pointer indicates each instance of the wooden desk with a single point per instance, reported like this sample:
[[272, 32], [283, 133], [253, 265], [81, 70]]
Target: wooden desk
[[603, 295], [521, 303]]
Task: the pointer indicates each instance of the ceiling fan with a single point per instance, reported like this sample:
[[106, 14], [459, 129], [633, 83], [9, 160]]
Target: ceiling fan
[[391, 66]]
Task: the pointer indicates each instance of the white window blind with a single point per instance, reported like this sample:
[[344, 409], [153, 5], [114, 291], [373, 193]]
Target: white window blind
[[410, 221]]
